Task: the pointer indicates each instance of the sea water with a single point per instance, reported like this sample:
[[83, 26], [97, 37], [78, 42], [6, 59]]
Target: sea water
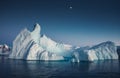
[[58, 69]]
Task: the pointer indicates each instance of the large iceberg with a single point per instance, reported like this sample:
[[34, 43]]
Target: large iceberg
[[102, 51], [32, 46]]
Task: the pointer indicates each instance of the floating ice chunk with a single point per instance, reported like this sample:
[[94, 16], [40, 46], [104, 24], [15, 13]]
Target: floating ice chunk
[[105, 50]]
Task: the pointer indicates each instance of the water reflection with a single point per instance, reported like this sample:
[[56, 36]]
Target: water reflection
[[98, 66], [33, 69], [105, 66]]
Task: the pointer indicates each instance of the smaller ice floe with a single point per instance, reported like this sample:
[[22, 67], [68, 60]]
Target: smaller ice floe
[[103, 51]]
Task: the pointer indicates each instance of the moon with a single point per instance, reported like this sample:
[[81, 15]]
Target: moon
[[69, 4], [70, 7]]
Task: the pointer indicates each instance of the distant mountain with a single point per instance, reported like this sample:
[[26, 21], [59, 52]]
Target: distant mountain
[[4, 49]]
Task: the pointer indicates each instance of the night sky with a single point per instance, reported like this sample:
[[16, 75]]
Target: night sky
[[76, 22]]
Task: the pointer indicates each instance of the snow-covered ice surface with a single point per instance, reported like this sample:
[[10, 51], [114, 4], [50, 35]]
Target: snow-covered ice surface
[[102, 51], [34, 46]]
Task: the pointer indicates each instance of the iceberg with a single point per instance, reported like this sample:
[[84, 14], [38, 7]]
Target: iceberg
[[32, 46], [102, 51], [5, 49]]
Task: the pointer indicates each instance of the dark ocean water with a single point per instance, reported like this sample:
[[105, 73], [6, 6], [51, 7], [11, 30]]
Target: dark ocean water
[[61, 69]]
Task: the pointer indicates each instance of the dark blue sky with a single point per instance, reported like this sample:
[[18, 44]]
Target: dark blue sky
[[88, 22]]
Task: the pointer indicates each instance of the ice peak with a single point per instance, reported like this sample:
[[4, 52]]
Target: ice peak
[[25, 32], [36, 32], [37, 28], [107, 43], [44, 36]]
